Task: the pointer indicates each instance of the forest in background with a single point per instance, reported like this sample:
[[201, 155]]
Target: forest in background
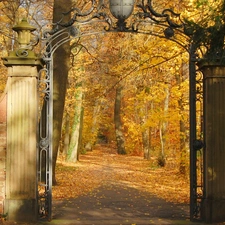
[[141, 79]]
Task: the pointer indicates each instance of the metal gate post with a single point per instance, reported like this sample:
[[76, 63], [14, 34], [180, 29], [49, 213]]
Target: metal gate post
[[45, 142], [196, 143], [192, 121]]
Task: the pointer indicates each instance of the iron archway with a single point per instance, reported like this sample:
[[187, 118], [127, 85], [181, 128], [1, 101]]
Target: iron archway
[[65, 32]]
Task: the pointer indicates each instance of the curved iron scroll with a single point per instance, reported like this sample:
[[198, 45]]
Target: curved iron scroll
[[196, 137], [44, 151]]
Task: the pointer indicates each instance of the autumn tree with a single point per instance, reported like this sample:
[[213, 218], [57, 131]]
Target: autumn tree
[[9, 16], [38, 14], [118, 123], [133, 69], [74, 147], [61, 69]]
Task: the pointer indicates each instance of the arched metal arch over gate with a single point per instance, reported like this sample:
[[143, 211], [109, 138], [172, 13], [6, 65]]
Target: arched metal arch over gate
[[64, 32]]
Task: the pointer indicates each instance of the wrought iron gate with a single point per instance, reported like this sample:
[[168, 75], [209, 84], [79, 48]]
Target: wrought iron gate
[[44, 147], [196, 137], [54, 39]]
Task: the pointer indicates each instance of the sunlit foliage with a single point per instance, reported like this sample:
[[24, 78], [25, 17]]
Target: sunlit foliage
[[153, 72]]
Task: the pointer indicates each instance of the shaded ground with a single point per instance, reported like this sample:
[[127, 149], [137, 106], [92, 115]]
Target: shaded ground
[[108, 189], [119, 204]]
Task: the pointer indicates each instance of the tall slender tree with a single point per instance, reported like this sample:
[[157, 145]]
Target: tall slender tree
[[118, 123], [61, 70], [72, 153]]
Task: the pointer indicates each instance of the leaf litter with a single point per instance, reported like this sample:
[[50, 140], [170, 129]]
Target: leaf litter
[[103, 166]]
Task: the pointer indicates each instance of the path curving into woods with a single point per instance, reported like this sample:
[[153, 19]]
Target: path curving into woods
[[105, 188]]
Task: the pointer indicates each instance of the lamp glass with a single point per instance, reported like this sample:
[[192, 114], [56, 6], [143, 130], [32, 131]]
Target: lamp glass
[[121, 9]]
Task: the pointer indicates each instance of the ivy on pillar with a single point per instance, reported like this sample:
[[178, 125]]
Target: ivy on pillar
[[22, 105]]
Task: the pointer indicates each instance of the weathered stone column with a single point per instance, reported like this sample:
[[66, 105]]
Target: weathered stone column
[[2, 149], [213, 208], [22, 105]]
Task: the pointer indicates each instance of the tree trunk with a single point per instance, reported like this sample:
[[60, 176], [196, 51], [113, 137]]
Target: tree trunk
[[118, 124], [95, 126], [80, 144], [61, 68], [183, 152], [163, 128], [67, 135], [72, 154], [147, 146], [146, 133], [145, 141]]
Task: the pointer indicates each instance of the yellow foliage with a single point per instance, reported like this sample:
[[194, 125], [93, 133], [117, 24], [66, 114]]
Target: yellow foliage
[[148, 68]]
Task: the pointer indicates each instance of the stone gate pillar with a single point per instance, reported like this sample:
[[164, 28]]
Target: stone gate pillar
[[2, 149], [213, 208], [22, 104]]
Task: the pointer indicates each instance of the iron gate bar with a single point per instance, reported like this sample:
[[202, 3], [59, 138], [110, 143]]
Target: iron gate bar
[[44, 151], [192, 121], [196, 144]]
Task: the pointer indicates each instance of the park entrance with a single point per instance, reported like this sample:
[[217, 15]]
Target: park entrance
[[66, 32], [206, 82]]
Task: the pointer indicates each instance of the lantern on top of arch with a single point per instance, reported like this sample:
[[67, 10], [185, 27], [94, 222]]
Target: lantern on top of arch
[[121, 10]]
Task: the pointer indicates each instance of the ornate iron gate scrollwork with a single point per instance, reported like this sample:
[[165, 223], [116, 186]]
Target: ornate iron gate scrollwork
[[196, 139], [44, 148], [198, 145], [52, 40]]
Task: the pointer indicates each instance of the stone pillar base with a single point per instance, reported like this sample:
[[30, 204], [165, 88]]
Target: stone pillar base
[[21, 210], [213, 210]]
